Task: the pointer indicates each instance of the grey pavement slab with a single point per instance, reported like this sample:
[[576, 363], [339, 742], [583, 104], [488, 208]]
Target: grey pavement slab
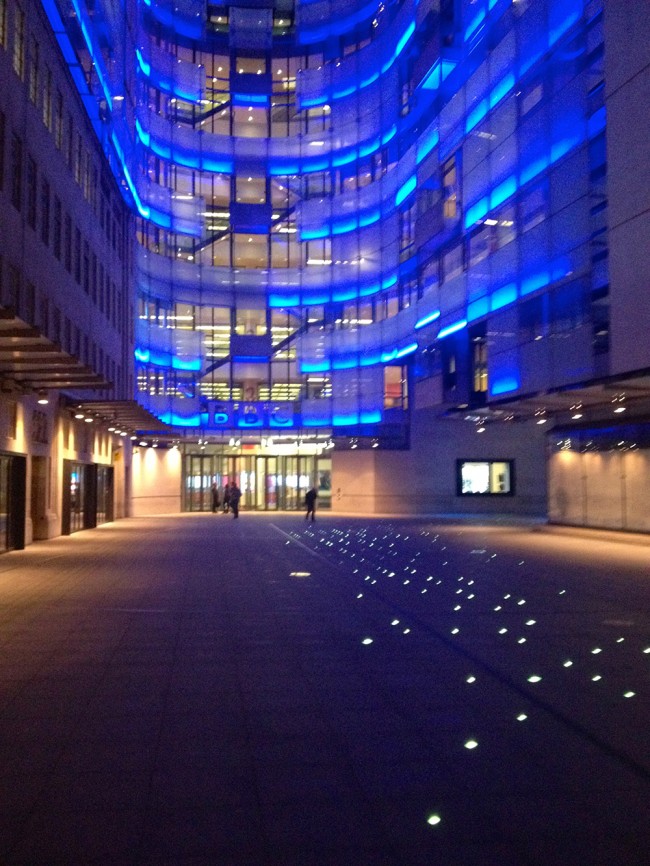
[[384, 691]]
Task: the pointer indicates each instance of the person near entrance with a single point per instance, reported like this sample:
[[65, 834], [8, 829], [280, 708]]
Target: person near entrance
[[215, 496], [226, 497], [310, 501], [235, 496]]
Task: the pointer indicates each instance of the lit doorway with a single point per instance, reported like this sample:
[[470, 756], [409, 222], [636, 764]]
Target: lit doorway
[[268, 483]]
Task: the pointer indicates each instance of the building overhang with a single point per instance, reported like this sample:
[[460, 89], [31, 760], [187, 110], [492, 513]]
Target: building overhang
[[616, 398], [30, 362], [123, 416]]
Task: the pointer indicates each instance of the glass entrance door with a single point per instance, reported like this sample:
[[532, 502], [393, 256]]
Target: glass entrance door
[[268, 483]]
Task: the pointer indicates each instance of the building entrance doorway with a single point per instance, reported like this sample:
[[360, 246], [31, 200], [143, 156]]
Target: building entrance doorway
[[268, 483], [13, 470]]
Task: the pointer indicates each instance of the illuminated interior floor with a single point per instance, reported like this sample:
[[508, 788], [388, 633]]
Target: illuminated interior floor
[[352, 692]]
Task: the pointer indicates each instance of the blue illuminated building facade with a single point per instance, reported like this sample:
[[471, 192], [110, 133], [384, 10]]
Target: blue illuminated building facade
[[326, 191], [381, 227]]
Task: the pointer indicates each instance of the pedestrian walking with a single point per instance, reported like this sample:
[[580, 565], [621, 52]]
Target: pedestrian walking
[[235, 496], [310, 502], [226, 498]]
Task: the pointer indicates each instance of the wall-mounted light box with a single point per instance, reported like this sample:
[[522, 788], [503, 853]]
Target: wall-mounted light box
[[485, 477]]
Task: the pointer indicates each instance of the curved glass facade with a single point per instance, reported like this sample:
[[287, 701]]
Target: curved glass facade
[[330, 194]]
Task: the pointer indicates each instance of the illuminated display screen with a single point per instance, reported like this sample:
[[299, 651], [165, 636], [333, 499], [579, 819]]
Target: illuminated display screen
[[485, 477]]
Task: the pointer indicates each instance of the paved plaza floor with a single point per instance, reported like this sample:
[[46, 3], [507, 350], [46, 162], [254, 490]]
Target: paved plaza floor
[[195, 689]]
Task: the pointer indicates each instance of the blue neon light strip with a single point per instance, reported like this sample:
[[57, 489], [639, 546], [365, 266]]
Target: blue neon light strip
[[170, 17], [474, 24], [144, 66], [98, 60], [452, 329], [425, 146], [250, 98], [407, 350], [166, 359], [354, 87], [175, 420], [507, 188], [142, 209], [338, 25], [508, 294], [489, 102], [405, 190], [351, 360], [426, 320], [342, 226], [504, 385]]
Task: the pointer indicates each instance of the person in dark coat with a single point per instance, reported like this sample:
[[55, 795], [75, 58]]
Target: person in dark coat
[[235, 496], [215, 497], [310, 501], [226, 498]]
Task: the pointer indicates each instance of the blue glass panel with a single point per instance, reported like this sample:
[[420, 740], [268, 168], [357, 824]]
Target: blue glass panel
[[368, 219], [181, 364], [502, 192], [344, 158], [373, 417], [476, 115], [344, 226], [161, 150], [451, 329], [504, 384], [597, 122], [181, 420], [477, 308], [407, 350], [533, 169], [425, 147], [476, 212], [369, 147], [562, 15], [218, 166], [279, 168], [144, 137], [369, 360], [405, 38], [433, 76], [314, 366], [503, 296], [534, 282], [250, 98], [339, 94], [313, 101], [314, 234], [345, 362], [367, 81], [405, 190], [474, 24], [426, 320], [349, 293], [503, 87], [284, 300], [144, 66]]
